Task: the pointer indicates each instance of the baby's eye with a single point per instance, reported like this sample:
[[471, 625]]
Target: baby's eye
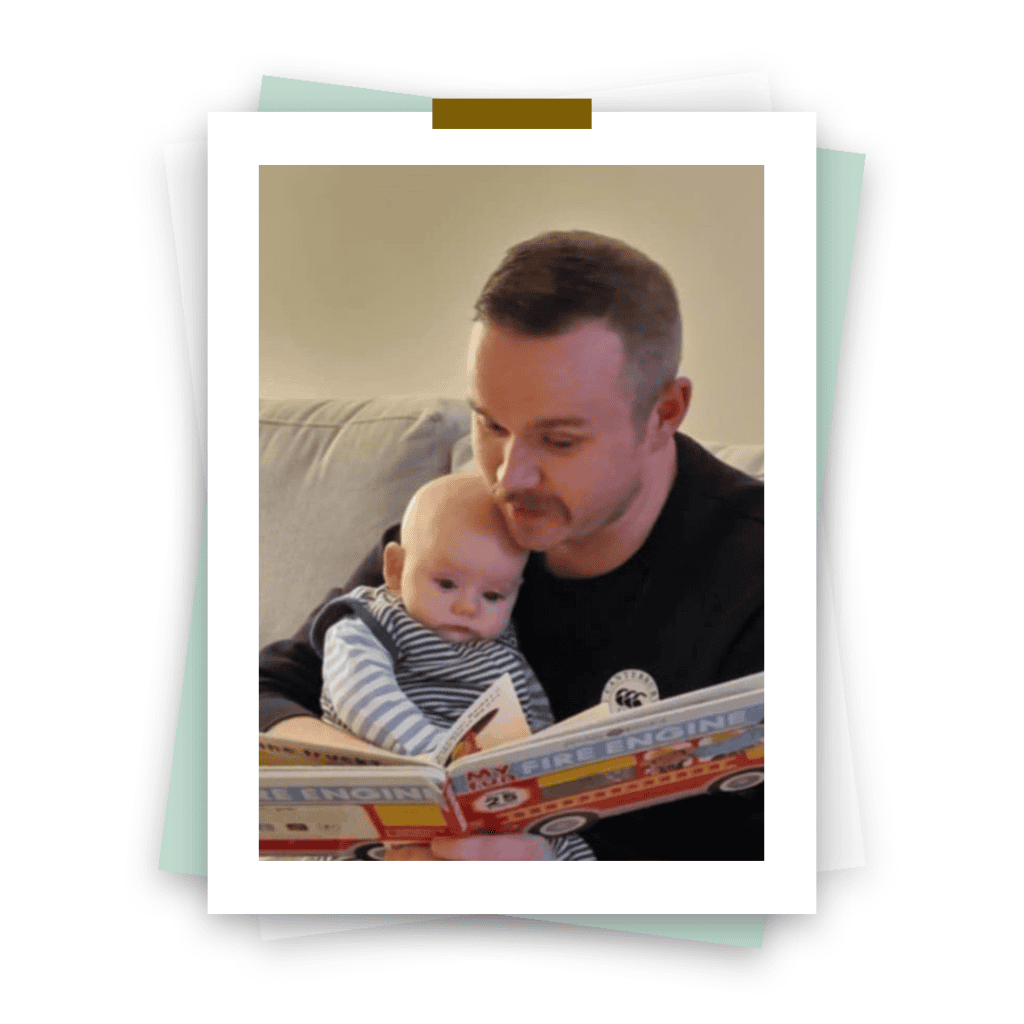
[[445, 584], [493, 595]]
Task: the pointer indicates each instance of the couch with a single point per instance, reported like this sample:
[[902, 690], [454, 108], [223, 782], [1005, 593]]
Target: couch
[[334, 474]]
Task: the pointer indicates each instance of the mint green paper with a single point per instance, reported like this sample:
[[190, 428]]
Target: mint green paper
[[184, 841], [287, 94], [724, 929], [839, 180]]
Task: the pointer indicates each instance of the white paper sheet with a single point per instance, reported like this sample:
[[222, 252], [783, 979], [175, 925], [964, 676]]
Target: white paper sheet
[[840, 842]]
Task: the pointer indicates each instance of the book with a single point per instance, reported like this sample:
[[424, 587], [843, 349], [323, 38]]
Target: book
[[490, 775]]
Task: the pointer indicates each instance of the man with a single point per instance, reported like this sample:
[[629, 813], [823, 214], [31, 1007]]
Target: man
[[648, 553]]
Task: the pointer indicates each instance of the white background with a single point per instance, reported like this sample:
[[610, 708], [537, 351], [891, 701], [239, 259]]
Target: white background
[[102, 508]]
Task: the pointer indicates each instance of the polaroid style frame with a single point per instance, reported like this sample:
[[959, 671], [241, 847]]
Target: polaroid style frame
[[784, 882]]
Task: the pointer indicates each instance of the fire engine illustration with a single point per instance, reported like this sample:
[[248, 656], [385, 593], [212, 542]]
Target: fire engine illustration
[[547, 796]]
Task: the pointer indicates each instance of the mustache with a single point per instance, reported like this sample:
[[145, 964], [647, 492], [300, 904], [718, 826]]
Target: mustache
[[529, 500]]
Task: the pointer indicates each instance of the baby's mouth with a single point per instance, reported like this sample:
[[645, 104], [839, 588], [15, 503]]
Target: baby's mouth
[[458, 633]]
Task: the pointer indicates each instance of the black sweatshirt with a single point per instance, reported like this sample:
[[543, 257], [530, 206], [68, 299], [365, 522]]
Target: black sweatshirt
[[687, 608]]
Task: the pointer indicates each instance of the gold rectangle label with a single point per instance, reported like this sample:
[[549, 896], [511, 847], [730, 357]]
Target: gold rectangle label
[[505, 113]]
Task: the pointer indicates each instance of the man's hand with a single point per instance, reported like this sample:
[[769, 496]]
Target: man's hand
[[305, 729], [475, 848]]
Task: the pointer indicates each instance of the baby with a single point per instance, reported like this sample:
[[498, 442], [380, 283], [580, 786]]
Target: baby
[[417, 651]]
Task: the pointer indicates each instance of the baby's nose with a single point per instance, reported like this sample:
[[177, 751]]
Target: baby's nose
[[464, 604]]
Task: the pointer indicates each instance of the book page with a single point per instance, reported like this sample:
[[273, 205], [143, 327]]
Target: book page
[[493, 719], [592, 735], [595, 714], [349, 750]]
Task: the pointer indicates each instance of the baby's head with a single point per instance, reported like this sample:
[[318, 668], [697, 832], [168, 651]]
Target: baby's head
[[457, 569]]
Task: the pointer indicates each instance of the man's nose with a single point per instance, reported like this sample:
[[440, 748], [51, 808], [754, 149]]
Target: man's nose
[[464, 605], [518, 470]]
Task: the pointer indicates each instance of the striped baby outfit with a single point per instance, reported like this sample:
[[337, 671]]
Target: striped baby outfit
[[397, 684]]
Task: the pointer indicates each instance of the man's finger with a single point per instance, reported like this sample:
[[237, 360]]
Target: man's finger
[[409, 851], [493, 848]]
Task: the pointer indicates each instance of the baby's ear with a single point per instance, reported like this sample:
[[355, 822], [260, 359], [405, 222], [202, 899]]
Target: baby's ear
[[394, 559]]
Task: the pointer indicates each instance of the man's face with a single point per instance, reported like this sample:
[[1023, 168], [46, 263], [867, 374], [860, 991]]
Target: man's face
[[552, 431]]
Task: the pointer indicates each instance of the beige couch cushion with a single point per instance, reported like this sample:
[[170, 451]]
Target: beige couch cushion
[[748, 458], [333, 476]]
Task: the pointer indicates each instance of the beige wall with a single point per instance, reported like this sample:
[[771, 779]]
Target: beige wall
[[368, 275]]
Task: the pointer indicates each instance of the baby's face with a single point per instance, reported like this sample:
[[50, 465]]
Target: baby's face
[[463, 587]]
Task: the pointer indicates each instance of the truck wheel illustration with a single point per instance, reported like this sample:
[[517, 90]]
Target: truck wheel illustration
[[369, 851], [563, 823], [738, 781]]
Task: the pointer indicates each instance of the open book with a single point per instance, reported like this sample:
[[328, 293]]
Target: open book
[[490, 775]]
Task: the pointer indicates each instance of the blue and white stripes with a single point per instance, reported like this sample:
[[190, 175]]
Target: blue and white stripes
[[400, 686], [360, 692], [436, 680]]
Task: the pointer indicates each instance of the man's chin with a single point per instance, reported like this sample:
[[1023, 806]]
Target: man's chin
[[538, 533]]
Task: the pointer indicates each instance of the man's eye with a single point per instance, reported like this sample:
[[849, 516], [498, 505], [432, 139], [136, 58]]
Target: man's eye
[[445, 584], [489, 425], [561, 443]]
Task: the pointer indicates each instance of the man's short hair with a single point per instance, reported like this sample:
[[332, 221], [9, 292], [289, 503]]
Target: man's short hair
[[549, 284]]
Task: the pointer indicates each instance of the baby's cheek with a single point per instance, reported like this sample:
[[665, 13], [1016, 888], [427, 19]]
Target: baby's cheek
[[501, 620]]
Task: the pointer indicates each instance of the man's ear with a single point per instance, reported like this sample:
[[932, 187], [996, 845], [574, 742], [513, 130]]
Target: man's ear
[[394, 560], [670, 410]]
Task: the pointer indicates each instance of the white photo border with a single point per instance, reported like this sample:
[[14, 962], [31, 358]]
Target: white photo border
[[784, 883]]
